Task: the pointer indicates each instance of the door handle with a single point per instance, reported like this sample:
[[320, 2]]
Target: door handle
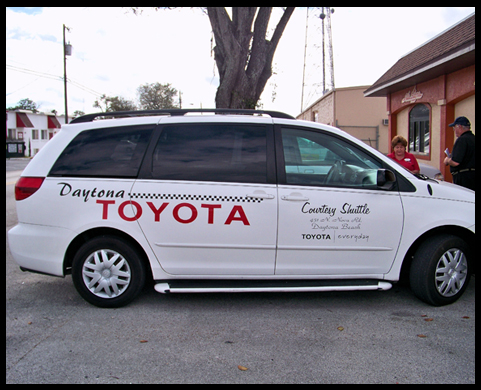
[[295, 198], [260, 196]]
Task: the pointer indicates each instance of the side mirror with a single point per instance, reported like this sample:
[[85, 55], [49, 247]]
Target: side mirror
[[385, 179]]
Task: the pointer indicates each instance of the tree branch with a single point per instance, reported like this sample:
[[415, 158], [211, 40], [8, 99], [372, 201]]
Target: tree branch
[[281, 26]]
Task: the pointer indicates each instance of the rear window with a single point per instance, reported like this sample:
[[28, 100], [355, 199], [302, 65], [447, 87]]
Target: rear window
[[110, 152]]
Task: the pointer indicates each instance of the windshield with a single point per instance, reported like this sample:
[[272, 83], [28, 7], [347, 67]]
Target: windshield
[[419, 176]]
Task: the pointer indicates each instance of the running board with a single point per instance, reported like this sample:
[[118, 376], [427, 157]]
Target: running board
[[242, 286]]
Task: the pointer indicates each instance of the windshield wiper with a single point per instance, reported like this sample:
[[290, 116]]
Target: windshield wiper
[[424, 177]]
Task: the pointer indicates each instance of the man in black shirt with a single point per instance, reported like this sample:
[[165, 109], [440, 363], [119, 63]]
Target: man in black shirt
[[462, 161]]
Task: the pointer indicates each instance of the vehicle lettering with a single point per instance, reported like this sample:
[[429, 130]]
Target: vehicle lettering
[[193, 216], [156, 211], [316, 237], [211, 208], [350, 219], [348, 208], [232, 216], [355, 237], [324, 209], [137, 215], [184, 213], [87, 194], [105, 209]]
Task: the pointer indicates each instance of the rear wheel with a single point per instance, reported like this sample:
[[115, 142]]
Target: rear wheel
[[107, 272], [440, 270]]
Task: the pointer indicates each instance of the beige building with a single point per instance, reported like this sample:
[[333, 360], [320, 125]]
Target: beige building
[[348, 109]]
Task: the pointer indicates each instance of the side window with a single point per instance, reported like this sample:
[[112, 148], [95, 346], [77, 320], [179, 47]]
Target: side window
[[220, 153], [110, 152], [320, 159]]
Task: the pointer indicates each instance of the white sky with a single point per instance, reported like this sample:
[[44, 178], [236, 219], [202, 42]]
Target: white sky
[[115, 51]]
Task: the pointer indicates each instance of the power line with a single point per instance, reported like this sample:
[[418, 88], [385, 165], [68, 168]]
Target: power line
[[51, 77], [86, 89], [34, 72]]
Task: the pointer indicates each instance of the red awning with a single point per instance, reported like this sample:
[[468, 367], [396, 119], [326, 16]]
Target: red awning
[[53, 122], [22, 120]]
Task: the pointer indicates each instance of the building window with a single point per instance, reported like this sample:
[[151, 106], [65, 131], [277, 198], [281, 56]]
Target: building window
[[419, 129], [34, 134]]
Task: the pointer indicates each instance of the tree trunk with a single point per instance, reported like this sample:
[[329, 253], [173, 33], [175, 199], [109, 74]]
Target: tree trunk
[[244, 57]]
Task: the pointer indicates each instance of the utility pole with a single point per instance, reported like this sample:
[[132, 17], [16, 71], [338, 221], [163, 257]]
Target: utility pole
[[323, 16], [305, 56], [67, 51]]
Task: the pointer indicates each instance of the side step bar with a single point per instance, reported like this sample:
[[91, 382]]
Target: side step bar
[[242, 286]]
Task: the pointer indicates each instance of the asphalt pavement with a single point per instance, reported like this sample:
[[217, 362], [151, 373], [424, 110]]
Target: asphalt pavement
[[54, 336]]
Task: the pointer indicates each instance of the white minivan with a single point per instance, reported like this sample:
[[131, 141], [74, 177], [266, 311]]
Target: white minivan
[[234, 201]]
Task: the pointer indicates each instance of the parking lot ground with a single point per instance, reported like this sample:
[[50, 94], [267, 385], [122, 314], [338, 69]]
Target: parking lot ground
[[53, 336]]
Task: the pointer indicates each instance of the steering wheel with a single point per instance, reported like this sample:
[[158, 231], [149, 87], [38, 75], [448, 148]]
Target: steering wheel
[[335, 173]]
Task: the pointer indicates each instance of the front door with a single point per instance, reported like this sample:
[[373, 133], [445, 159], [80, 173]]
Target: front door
[[333, 220]]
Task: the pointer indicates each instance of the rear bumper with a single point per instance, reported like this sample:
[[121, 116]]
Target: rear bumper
[[39, 248]]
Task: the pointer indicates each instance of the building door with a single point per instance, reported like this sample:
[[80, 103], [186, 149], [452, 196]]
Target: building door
[[419, 130]]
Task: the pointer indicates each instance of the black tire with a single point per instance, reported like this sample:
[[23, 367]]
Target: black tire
[[441, 270], [107, 272]]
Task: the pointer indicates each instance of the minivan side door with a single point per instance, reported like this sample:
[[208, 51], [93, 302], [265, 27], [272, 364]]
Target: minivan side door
[[209, 199], [333, 219]]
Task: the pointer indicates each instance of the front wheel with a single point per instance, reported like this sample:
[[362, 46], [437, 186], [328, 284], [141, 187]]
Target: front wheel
[[440, 270], [107, 272]]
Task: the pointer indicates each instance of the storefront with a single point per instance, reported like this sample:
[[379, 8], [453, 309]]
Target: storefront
[[428, 88], [15, 149]]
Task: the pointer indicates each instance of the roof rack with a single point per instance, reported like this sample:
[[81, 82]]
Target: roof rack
[[178, 112]]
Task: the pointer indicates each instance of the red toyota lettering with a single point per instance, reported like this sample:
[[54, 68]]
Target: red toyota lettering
[[211, 208], [242, 216], [192, 218], [105, 208], [158, 211], [137, 215]]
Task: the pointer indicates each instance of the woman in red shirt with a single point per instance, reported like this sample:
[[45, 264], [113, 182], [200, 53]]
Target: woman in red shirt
[[401, 156]]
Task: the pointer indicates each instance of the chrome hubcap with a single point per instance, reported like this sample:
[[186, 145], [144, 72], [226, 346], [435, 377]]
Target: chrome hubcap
[[106, 273], [451, 272]]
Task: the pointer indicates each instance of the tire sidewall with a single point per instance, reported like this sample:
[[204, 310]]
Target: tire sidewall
[[424, 265], [137, 279]]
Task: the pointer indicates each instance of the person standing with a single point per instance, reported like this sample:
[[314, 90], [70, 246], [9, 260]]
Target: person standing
[[401, 156], [462, 161]]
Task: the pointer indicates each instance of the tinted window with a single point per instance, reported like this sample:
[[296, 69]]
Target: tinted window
[[313, 158], [110, 152], [221, 153]]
